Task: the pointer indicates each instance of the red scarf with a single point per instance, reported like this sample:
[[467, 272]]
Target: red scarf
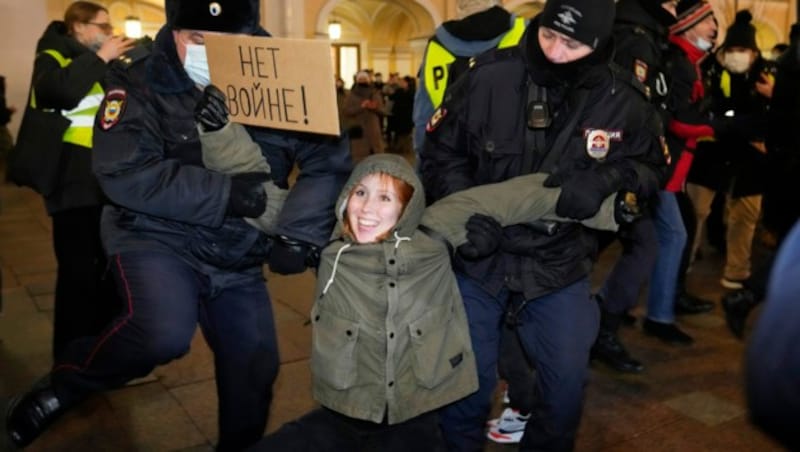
[[695, 56]]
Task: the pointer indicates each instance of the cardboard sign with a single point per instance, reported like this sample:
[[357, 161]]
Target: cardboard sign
[[275, 82]]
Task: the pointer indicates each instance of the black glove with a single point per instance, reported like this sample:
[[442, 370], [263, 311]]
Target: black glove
[[211, 111], [247, 197], [289, 256], [583, 192], [484, 235]]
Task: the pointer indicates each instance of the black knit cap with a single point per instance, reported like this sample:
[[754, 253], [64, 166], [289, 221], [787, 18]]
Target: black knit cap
[[227, 16], [587, 21], [741, 33], [690, 13]]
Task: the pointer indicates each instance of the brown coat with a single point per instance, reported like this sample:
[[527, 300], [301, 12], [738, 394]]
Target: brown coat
[[363, 108]]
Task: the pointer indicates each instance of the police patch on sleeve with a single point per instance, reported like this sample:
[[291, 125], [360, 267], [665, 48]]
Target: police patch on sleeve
[[436, 119], [598, 143], [113, 107], [665, 150], [640, 70]]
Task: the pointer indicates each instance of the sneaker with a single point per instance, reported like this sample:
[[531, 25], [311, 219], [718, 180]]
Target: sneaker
[[509, 423], [733, 284], [504, 438]]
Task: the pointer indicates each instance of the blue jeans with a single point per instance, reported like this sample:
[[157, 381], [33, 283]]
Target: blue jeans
[[671, 236], [556, 332], [164, 299]]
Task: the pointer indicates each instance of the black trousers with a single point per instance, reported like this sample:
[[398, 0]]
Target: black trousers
[[324, 430], [514, 367], [85, 297]]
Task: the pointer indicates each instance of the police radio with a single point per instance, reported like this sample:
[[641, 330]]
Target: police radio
[[538, 111]]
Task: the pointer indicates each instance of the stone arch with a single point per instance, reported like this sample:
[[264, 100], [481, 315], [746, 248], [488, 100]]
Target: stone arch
[[324, 13]]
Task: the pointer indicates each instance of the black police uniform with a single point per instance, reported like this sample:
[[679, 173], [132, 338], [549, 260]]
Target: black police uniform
[[479, 136], [178, 255]]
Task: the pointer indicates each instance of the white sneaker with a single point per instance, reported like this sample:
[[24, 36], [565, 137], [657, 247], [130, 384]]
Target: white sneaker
[[504, 438], [508, 428], [733, 284]]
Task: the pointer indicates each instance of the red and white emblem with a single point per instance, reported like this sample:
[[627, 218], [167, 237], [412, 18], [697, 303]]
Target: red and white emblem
[[598, 143], [113, 107], [640, 70]]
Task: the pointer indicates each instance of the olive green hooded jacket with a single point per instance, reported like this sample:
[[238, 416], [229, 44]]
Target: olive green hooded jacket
[[390, 334]]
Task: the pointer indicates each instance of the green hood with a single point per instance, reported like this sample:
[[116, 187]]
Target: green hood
[[398, 167]]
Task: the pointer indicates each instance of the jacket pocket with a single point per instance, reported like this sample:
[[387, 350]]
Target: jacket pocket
[[333, 357], [439, 346]]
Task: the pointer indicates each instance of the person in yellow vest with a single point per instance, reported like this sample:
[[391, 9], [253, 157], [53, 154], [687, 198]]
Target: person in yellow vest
[[480, 25], [72, 57]]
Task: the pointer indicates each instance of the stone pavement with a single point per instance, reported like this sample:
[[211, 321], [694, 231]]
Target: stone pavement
[[687, 399]]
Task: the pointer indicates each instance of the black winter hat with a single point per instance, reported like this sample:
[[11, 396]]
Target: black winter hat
[[741, 33], [227, 16], [655, 9], [587, 21], [689, 14]]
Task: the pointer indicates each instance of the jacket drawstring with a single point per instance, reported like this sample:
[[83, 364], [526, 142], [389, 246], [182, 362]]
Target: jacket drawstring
[[335, 264], [400, 239]]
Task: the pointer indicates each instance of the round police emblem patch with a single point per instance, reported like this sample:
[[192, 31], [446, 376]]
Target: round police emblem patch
[[113, 107], [598, 143]]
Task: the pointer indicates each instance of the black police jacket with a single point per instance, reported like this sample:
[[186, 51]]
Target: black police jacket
[[478, 136], [641, 44], [148, 161]]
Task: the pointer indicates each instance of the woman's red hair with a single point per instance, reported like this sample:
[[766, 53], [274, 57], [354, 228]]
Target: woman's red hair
[[403, 189]]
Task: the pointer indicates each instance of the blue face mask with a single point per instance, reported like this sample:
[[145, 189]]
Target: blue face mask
[[196, 65]]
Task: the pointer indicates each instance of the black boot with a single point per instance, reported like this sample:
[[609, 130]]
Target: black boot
[[737, 305], [689, 304], [31, 413], [609, 350]]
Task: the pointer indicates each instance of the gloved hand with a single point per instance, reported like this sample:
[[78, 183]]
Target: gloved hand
[[484, 235], [583, 192], [289, 256], [247, 197], [211, 111]]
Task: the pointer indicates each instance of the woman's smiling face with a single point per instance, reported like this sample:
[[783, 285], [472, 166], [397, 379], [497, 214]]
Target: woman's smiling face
[[374, 208]]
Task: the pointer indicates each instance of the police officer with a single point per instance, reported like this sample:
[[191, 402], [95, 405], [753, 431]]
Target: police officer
[[553, 104], [181, 250], [480, 25], [640, 34]]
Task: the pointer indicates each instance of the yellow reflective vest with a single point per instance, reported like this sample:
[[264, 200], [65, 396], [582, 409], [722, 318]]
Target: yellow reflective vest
[[438, 60], [82, 116]]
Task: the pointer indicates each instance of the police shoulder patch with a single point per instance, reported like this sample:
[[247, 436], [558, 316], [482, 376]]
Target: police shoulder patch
[[436, 119], [113, 107], [640, 69]]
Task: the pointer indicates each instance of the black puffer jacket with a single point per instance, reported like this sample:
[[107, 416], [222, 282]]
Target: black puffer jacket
[[63, 89], [148, 160], [481, 139]]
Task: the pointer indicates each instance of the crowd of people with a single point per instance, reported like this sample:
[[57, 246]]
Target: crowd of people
[[524, 148]]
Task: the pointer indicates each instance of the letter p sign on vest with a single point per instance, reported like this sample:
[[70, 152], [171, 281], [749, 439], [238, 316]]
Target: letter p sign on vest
[[439, 74]]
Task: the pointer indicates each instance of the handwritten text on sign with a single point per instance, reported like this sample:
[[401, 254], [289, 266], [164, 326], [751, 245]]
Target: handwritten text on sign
[[276, 82]]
